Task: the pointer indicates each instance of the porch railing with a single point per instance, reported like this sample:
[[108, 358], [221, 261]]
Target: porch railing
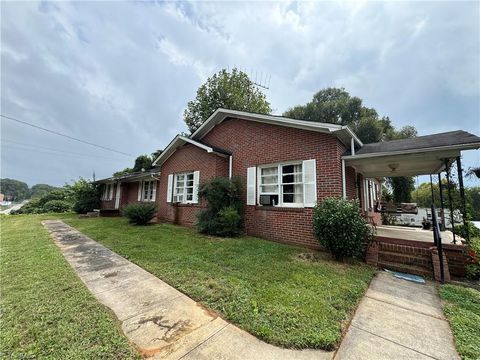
[[437, 239]]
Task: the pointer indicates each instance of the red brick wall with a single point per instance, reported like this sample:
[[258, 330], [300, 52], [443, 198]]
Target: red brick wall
[[188, 158], [351, 182], [253, 144]]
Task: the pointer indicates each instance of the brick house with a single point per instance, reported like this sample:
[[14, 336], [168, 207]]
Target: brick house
[[286, 166]]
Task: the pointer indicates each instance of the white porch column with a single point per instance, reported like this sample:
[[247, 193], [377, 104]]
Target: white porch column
[[117, 196], [344, 186]]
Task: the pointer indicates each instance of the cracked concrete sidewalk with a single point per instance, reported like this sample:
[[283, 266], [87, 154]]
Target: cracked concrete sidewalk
[[398, 319], [160, 321]]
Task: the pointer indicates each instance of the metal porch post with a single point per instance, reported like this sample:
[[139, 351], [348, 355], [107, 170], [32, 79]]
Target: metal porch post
[[442, 205], [462, 196], [447, 169]]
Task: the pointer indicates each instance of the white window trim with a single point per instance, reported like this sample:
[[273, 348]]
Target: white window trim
[[279, 183], [152, 191], [107, 191], [175, 179]]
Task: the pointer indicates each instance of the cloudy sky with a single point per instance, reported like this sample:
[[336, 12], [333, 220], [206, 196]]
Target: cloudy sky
[[120, 74]]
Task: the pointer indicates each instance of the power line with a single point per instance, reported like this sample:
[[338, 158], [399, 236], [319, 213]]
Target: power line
[[49, 152], [66, 136], [36, 147]]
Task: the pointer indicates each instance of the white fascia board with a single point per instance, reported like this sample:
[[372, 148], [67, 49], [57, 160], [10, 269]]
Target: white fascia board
[[180, 140], [221, 114], [413, 151]]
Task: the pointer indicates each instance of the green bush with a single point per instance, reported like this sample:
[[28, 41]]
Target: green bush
[[340, 227], [140, 214], [223, 216], [84, 195], [472, 269], [470, 229], [58, 200], [388, 218], [57, 206]]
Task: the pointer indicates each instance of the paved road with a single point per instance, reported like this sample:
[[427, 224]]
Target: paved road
[[14, 207]]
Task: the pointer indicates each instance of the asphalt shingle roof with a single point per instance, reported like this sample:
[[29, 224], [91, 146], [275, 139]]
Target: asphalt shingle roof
[[458, 137]]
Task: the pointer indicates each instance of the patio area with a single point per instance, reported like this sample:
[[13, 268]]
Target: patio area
[[414, 234]]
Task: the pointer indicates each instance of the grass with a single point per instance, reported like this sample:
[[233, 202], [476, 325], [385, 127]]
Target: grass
[[45, 310], [462, 308], [264, 287]]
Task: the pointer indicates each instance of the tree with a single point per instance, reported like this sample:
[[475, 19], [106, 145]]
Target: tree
[[14, 190], [39, 190], [330, 105], [473, 199], [84, 195], [232, 90], [141, 162]]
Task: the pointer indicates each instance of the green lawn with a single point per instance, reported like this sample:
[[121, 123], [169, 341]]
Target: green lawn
[[264, 287], [462, 308], [45, 310]]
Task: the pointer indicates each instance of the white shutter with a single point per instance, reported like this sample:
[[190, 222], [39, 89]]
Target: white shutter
[[309, 183], [251, 176], [170, 188], [140, 188], [154, 190], [196, 179], [110, 195]]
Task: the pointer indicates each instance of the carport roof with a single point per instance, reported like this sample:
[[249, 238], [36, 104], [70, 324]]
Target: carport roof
[[410, 157], [446, 139]]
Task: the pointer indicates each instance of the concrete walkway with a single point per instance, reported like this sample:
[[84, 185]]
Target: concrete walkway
[[398, 319], [160, 321]]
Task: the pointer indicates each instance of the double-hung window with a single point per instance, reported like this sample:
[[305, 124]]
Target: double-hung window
[[107, 192], [281, 185], [148, 190], [183, 188]]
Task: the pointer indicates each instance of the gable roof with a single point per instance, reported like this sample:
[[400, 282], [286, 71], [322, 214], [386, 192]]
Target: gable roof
[[458, 139], [181, 140], [343, 133]]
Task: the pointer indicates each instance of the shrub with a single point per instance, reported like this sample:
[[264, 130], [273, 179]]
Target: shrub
[[57, 206], [388, 218], [223, 216], [472, 269], [140, 214], [471, 229], [84, 195], [340, 227]]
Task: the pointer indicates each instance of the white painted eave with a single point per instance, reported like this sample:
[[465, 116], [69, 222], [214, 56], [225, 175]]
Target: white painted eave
[[221, 114]]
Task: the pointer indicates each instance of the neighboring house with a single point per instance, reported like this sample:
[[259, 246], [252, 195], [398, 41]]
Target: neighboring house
[[286, 166]]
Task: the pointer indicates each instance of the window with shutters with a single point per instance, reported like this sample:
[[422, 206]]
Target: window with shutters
[[281, 185], [183, 188], [148, 190], [107, 192]]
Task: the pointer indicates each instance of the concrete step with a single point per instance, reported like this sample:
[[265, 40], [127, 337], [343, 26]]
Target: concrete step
[[407, 259], [409, 269]]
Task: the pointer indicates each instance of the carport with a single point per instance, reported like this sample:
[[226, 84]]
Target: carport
[[423, 155]]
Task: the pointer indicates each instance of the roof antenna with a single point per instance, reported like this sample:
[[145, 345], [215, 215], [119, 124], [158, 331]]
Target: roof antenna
[[262, 82]]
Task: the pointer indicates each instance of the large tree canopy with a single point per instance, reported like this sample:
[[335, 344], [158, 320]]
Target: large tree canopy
[[232, 90], [141, 162], [14, 190], [332, 105]]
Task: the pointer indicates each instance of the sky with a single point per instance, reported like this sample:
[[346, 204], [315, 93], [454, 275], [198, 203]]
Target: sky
[[119, 74]]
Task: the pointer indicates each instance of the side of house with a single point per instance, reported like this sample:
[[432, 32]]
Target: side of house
[[286, 166]]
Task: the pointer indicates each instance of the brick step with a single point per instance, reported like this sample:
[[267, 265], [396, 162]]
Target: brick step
[[409, 269], [403, 249], [407, 259]]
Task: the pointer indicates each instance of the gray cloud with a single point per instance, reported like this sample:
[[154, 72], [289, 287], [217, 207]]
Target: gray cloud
[[120, 74]]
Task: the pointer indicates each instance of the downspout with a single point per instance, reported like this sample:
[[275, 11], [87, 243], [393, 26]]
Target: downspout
[[352, 146], [344, 186], [230, 167]]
